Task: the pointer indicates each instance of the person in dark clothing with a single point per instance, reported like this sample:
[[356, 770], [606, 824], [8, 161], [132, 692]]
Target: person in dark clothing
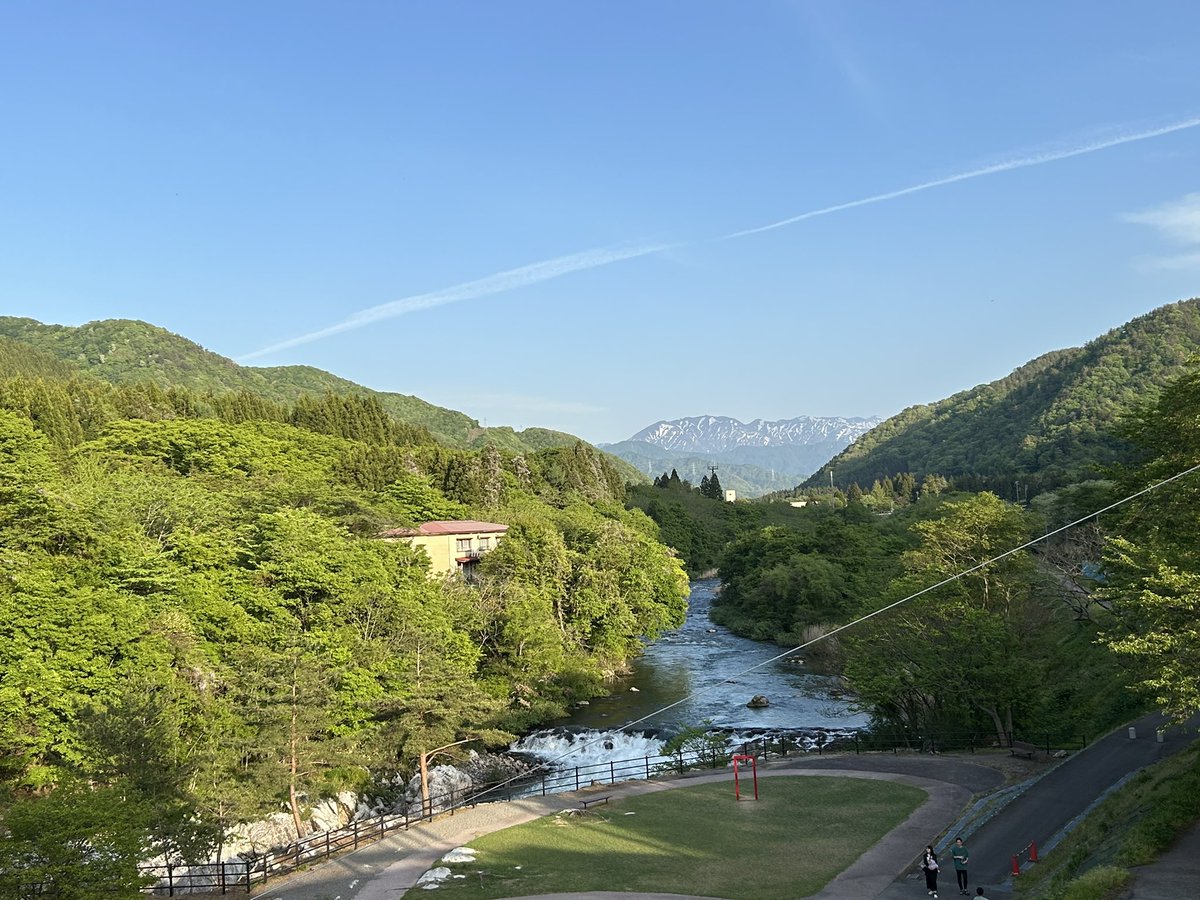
[[959, 855], [929, 865]]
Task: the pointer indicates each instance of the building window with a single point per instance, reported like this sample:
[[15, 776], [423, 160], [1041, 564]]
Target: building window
[[463, 545], [485, 543]]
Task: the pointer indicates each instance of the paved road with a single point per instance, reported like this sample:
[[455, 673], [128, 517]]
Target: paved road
[[1042, 813]]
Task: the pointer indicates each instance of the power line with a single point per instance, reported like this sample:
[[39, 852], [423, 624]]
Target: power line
[[925, 590]]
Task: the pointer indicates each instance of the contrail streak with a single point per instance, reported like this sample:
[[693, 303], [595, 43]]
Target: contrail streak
[[1024, 162], [603, 256], [469, 290]]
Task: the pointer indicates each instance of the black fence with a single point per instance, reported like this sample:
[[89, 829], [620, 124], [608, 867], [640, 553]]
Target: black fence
[[240, 876], [948, 741]]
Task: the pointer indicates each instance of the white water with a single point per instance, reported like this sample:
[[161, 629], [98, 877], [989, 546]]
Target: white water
[[806, 709], [586, 747]]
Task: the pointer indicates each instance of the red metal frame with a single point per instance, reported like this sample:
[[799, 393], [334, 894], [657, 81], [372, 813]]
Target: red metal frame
[[744, 757]]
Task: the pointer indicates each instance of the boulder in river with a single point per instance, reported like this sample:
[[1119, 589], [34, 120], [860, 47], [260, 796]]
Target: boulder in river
[[758, 701]]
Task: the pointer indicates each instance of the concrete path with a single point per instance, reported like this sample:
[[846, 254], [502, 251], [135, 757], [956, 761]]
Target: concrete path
[[1046, 810], [1173, 875], [384, 871], [1043, 811]]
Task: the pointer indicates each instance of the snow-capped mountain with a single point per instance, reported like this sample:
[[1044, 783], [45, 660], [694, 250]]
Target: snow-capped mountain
[[755, 458], [721, 434]]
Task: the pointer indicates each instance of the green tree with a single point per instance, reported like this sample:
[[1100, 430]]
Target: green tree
[[30, 512], [146, 742], [711, 487], [286, 696], [1151, 565], [942, 658], [85, 841]]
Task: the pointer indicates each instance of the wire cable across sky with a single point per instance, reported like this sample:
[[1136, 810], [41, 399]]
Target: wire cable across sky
[[925, 590]]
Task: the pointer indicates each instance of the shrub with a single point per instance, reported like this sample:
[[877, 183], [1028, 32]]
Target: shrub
[[1100, 883]]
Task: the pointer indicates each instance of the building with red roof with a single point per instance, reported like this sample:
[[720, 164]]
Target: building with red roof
[[452, 546]]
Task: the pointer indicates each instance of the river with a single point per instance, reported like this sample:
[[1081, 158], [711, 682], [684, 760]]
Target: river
[[698, 658]]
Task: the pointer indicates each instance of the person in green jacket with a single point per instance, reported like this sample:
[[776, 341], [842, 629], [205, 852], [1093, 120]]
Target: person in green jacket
[[959, 854]]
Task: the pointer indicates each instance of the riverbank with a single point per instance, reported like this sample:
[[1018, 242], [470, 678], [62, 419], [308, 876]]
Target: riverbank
[[704, 673]]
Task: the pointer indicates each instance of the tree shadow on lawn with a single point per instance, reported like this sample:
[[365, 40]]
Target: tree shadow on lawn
[[695, 840]]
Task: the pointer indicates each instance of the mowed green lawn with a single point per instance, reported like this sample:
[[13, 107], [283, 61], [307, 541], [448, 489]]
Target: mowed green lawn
[[694, 840]]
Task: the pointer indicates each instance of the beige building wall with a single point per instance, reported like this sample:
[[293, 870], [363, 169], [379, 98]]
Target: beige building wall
[[445, 550]]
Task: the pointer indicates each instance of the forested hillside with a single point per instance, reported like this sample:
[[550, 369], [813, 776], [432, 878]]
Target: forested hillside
[[748, 480], [962, 633], [198, 622], [122, 351], [1051, 421]]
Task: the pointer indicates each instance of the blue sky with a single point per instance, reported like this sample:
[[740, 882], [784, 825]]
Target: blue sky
[[531, 212]]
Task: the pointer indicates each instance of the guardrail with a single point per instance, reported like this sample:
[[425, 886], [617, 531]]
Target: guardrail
[[242, 875]]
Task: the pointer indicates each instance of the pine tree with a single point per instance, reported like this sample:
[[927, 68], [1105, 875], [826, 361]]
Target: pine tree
[[714, 488]]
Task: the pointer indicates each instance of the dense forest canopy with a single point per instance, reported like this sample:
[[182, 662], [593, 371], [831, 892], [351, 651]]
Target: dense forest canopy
[[197, 616], [122, 351]]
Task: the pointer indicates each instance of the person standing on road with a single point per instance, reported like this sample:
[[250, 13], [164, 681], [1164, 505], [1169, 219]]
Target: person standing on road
[[959, 855], [929, 865], [979, 894]]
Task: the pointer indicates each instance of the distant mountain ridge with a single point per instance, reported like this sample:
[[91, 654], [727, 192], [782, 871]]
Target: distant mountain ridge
[[1053, 420], [753, 458], [722, 434], [126, 350]]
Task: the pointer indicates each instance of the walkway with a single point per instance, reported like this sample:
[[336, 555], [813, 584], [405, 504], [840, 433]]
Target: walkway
[[1049, 807], [385, 870], [1042, 812], [1173, 875]]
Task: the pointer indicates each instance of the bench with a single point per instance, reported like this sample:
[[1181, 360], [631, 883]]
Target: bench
[[588, 802], [1021, 748]]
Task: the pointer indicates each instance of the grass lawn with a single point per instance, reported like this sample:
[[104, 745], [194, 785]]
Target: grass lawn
[[694, 840]]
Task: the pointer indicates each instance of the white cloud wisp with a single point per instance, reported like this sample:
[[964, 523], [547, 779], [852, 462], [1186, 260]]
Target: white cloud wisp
[[534, 273], [1178, 222], [508, 280], [1022, 162]]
